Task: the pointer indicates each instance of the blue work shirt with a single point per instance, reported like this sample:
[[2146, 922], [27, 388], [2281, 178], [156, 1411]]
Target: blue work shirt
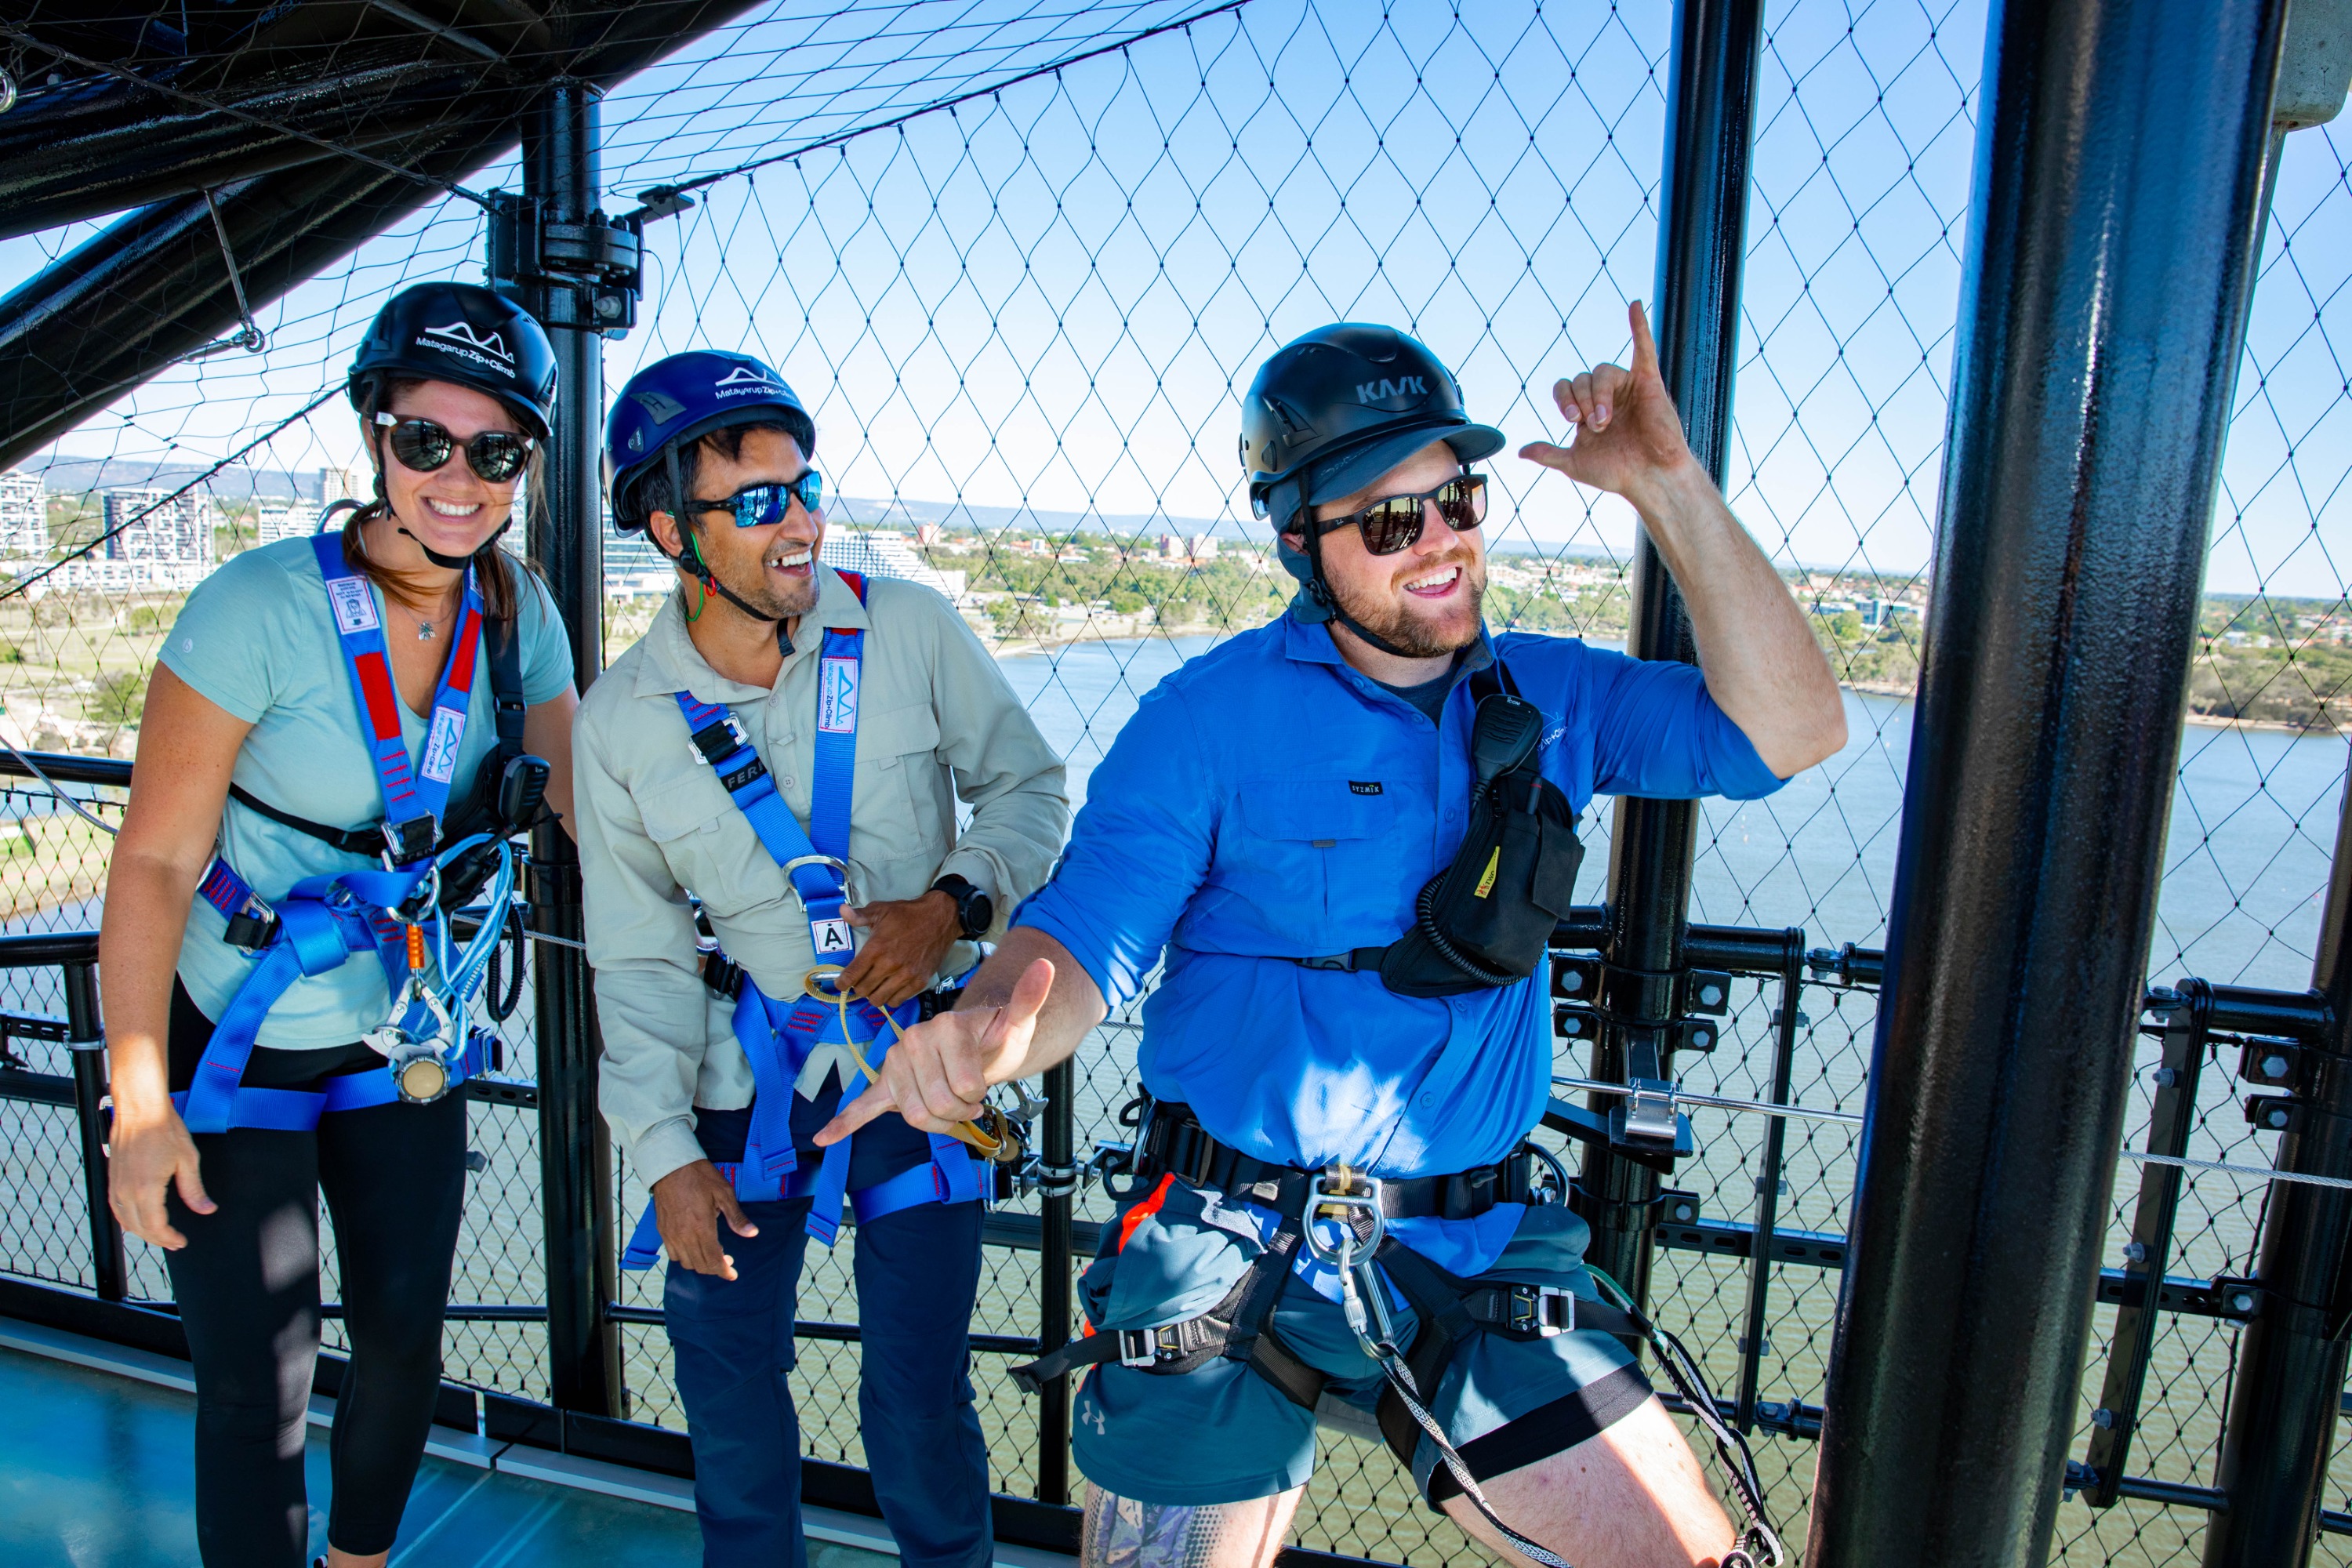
[[1268, 803]]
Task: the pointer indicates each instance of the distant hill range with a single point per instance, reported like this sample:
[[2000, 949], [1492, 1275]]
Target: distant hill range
[[65, 474]]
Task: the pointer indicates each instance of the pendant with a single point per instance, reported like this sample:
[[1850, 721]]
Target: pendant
[[424, 631]]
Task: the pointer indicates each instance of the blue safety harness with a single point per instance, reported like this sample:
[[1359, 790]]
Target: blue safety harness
[[323, 922], [783, 1037]]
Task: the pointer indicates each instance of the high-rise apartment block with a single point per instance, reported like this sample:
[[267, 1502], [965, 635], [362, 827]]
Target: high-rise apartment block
[[24, 516]]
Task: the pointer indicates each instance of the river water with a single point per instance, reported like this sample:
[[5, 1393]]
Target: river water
[[2245, 870]]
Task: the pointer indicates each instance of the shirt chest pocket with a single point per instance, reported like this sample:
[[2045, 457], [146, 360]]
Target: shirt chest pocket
[[712, 850], [1318, 846], [899, 812]]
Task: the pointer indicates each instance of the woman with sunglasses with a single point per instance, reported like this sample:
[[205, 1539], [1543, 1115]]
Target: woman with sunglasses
[[323, 709]]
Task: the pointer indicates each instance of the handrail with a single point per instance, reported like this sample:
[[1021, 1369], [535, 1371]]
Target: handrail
[[66, 767]]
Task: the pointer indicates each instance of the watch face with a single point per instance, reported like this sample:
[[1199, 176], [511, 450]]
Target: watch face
[[979, 911]]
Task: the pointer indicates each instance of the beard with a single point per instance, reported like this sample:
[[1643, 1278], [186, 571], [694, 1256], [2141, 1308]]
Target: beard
[[762, 592], [1422, 635]]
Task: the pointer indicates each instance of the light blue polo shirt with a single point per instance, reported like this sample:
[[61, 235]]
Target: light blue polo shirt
[[1268, 801], [256, 639]]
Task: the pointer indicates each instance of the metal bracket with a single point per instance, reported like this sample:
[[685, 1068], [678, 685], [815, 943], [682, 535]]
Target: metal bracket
[[584, 276]]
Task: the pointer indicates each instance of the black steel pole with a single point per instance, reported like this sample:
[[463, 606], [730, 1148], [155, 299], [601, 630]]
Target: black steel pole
[[2291, 1358], [2111, 234], [1710, 117], [559, 174], [109, 1273], [1054, 1280]]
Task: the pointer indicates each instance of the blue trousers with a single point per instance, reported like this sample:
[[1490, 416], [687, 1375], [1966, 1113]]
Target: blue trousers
[[918, 1272]]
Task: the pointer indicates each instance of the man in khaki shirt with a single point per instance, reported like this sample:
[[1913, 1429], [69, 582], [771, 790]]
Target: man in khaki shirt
[[733, 661]]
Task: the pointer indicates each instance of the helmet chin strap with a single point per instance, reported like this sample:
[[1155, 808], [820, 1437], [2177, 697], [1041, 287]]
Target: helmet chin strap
[[691, 559], [1321, 590], [456, 562]]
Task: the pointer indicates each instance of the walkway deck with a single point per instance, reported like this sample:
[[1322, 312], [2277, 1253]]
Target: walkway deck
[[95, 1473]]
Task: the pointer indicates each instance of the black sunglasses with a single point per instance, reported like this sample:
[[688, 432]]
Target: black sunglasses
[[757, 506], [1394, 522], [424, 448]]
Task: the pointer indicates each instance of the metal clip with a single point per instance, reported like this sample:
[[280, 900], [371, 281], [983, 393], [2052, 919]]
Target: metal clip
[[1650, 1111], [1141, 1349]]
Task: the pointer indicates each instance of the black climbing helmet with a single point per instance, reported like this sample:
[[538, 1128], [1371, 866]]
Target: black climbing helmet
[[465, 333], [1335, 409]]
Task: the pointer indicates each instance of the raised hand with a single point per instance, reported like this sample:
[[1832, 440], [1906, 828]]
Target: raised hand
[[940, 1072], [1629, 437]]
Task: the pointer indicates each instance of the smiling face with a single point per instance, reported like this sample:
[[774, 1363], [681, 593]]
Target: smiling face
[[773, 568], [452, 509], [1425, 597]]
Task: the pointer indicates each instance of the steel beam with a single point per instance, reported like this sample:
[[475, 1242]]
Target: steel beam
[[153, 286], [2291, 1360], [1710, 117], [111, 147], [2111, 234], [560, 173]]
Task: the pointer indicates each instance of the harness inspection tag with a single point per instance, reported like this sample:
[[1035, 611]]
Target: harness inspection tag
[[833, 938], [355, 605], [837, 696], [440, 761]]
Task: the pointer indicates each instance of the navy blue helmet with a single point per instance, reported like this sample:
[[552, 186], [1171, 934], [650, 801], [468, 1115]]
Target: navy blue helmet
[[675, 402]]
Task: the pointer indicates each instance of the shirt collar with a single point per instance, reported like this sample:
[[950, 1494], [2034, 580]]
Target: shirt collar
[[674, 664]]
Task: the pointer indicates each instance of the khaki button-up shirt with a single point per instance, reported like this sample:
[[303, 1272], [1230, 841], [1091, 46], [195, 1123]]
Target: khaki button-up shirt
[[937, 723]]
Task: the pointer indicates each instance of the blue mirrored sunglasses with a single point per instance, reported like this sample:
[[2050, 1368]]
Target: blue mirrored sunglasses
[[758, 506]]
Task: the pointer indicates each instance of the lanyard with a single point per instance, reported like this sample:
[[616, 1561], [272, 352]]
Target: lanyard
[[415, 798]]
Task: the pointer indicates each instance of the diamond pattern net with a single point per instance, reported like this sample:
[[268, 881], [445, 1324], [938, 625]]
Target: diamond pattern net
[[1024, 299]]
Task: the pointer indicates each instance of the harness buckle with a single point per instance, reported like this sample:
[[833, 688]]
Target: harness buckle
[[410, 840], [1546, 1311], [709, 750], [1144, 1349], [253, 927]]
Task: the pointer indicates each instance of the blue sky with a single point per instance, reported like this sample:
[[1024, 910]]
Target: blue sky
[[1052, 296]]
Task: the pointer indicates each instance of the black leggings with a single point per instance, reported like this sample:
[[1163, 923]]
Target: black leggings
[[247, 1286]]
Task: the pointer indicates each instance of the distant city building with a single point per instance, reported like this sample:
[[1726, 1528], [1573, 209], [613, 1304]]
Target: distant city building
[[274, 521], [886, 553], [633, 568], [927, 534], [164, 539], [1193, 547], [344, 484], [24, 516]]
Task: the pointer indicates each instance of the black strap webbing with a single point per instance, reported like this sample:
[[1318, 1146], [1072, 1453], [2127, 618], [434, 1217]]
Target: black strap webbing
[[368, 840]]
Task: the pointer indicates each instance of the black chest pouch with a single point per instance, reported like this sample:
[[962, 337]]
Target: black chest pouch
[[1486, 919]]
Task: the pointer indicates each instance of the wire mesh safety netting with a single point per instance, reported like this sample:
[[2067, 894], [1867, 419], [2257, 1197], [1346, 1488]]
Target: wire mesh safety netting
[[1021, 259]]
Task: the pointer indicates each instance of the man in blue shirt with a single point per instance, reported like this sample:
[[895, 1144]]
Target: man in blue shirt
[[1264, 828]]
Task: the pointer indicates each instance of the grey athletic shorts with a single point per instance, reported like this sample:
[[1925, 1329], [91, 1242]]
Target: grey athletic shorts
[[1221, 1433]]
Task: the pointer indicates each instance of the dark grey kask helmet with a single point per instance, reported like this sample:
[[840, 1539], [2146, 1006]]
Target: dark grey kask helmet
[[1330, 412]]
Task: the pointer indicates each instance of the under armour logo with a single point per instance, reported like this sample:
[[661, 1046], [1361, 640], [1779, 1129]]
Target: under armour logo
[[1380, 391], [462, 330]]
